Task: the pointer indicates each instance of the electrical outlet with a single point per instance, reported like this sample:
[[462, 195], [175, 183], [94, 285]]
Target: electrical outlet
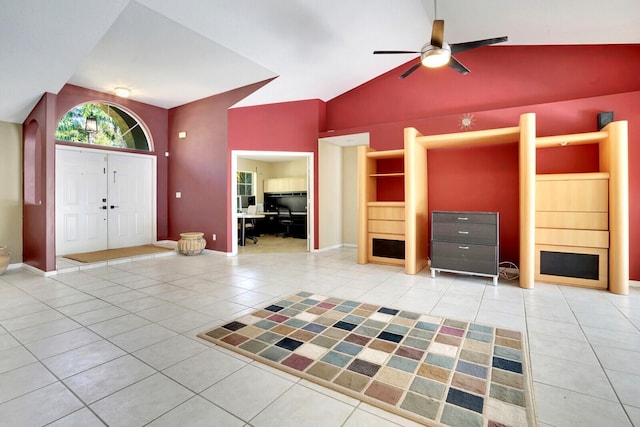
[[213, 237]]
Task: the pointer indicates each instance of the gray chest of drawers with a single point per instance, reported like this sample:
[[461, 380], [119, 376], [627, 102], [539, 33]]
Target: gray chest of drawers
[[465, 242]]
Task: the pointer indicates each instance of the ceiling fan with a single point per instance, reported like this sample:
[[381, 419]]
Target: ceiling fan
[[437, 52]]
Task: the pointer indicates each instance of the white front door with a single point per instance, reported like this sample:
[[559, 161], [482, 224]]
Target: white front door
[[81, 196], [103, 200], [130, 199]]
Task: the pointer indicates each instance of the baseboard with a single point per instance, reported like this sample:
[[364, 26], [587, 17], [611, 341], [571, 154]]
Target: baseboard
[[634, 283]]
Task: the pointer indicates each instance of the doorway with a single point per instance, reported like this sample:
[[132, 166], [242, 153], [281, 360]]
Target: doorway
[[104, 200], [273, 157]]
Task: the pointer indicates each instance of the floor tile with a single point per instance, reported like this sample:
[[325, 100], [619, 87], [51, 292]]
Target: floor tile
[[82, 418], [24, 380], [197, 412], [204, 369], [169, 352], [247, 392], [39, 407], [82, 358], [98, 382], [141, 402], [627, 387], [38, 332], [302, 406], [118, 325], [618, 359], [142, 337], [14, 357], [576, 409], [562, 349], [100, 315], [28, 320], [571, 375], [57, 344]]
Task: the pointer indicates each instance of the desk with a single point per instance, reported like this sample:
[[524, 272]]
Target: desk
[[244, 217]]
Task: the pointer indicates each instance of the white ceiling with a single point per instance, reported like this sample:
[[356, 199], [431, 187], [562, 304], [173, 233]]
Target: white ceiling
[[173, 52]]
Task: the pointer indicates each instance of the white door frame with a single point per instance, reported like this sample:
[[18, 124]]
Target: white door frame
[[154, 180], [290, 155]]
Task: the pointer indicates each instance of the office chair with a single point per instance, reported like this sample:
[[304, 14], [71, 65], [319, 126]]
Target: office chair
[[250, 225], [285, 220]]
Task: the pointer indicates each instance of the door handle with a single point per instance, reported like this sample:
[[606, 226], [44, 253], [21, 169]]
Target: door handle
[[113, 207], [102, 207]]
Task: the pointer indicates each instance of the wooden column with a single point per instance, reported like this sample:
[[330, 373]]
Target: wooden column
[[364, 195], [415, 198], [527, 170], [614, 159]]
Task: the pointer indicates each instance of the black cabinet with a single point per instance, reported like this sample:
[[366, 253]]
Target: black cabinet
[[465, 242]]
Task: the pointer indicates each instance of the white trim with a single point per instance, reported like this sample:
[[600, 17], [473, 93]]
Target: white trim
[[293, 155]]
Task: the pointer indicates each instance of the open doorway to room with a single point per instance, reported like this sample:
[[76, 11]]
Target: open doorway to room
[[338, 189], [261, 183]]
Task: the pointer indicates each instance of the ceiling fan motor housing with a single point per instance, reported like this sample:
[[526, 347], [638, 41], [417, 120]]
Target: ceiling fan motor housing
[[433, 56]]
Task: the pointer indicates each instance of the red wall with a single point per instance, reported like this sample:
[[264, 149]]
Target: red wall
[[38, 223], [199, 168], [566, 86], [289, 126]]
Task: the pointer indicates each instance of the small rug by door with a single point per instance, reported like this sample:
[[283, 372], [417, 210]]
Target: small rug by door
[[432, 370], [110, 254]]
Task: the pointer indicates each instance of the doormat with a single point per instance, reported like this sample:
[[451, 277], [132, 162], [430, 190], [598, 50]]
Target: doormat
[[110, 254], [431, 370]]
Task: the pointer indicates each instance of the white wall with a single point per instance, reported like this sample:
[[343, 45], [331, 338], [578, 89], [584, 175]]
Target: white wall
[[11, 189], [329, 195]]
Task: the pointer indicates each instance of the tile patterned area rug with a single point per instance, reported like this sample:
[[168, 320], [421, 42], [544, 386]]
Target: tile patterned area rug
[[431, 370]]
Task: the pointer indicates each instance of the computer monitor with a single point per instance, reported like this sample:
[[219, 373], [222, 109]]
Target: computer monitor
[[245, 201]]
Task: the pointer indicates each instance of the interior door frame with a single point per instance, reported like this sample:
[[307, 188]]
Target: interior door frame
[[279, 155], [154, 182]]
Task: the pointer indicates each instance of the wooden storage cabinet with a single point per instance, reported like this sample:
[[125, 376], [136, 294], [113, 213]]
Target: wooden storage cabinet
[[572, 229], [383, 227], [465, 242], [285, 185]]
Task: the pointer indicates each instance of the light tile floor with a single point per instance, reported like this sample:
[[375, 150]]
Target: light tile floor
[[116, 344]]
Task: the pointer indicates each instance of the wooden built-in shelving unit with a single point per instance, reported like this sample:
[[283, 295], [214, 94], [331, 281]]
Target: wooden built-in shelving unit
[[376, 215]]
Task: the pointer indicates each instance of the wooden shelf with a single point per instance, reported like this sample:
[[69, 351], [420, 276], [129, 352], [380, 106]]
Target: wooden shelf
[[383, 175], [387, 154], [574, 139]]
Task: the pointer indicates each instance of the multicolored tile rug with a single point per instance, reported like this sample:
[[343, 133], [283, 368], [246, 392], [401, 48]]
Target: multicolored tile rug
[[428, 369]]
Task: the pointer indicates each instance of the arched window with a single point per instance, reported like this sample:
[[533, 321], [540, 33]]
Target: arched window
[[102, 124]]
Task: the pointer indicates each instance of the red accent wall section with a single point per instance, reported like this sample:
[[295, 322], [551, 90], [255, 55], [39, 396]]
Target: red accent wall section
[[501, 76], [566, 86], [156, 120], [287, 126], [199, 167], [38, 223]]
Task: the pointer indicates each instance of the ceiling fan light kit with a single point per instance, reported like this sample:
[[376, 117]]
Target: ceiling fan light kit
[[437, 53], [434, 57]]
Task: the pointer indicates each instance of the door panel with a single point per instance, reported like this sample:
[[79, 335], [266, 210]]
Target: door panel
[[81, 221], [130, 200]]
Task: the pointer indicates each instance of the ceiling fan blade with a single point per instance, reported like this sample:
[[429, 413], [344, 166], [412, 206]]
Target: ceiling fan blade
[[411, 70], [437, 33], [456, 65], [461, 47], [384, 52]]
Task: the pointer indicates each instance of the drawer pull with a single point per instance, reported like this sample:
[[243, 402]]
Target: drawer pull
[[462, 218], [462, 232], [463, 247]]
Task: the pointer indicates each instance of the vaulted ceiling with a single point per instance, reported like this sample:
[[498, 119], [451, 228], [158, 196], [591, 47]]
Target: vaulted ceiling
[[173, 52]]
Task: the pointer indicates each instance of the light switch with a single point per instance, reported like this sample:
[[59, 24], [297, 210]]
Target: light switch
[[178, 194], [182, 135]]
